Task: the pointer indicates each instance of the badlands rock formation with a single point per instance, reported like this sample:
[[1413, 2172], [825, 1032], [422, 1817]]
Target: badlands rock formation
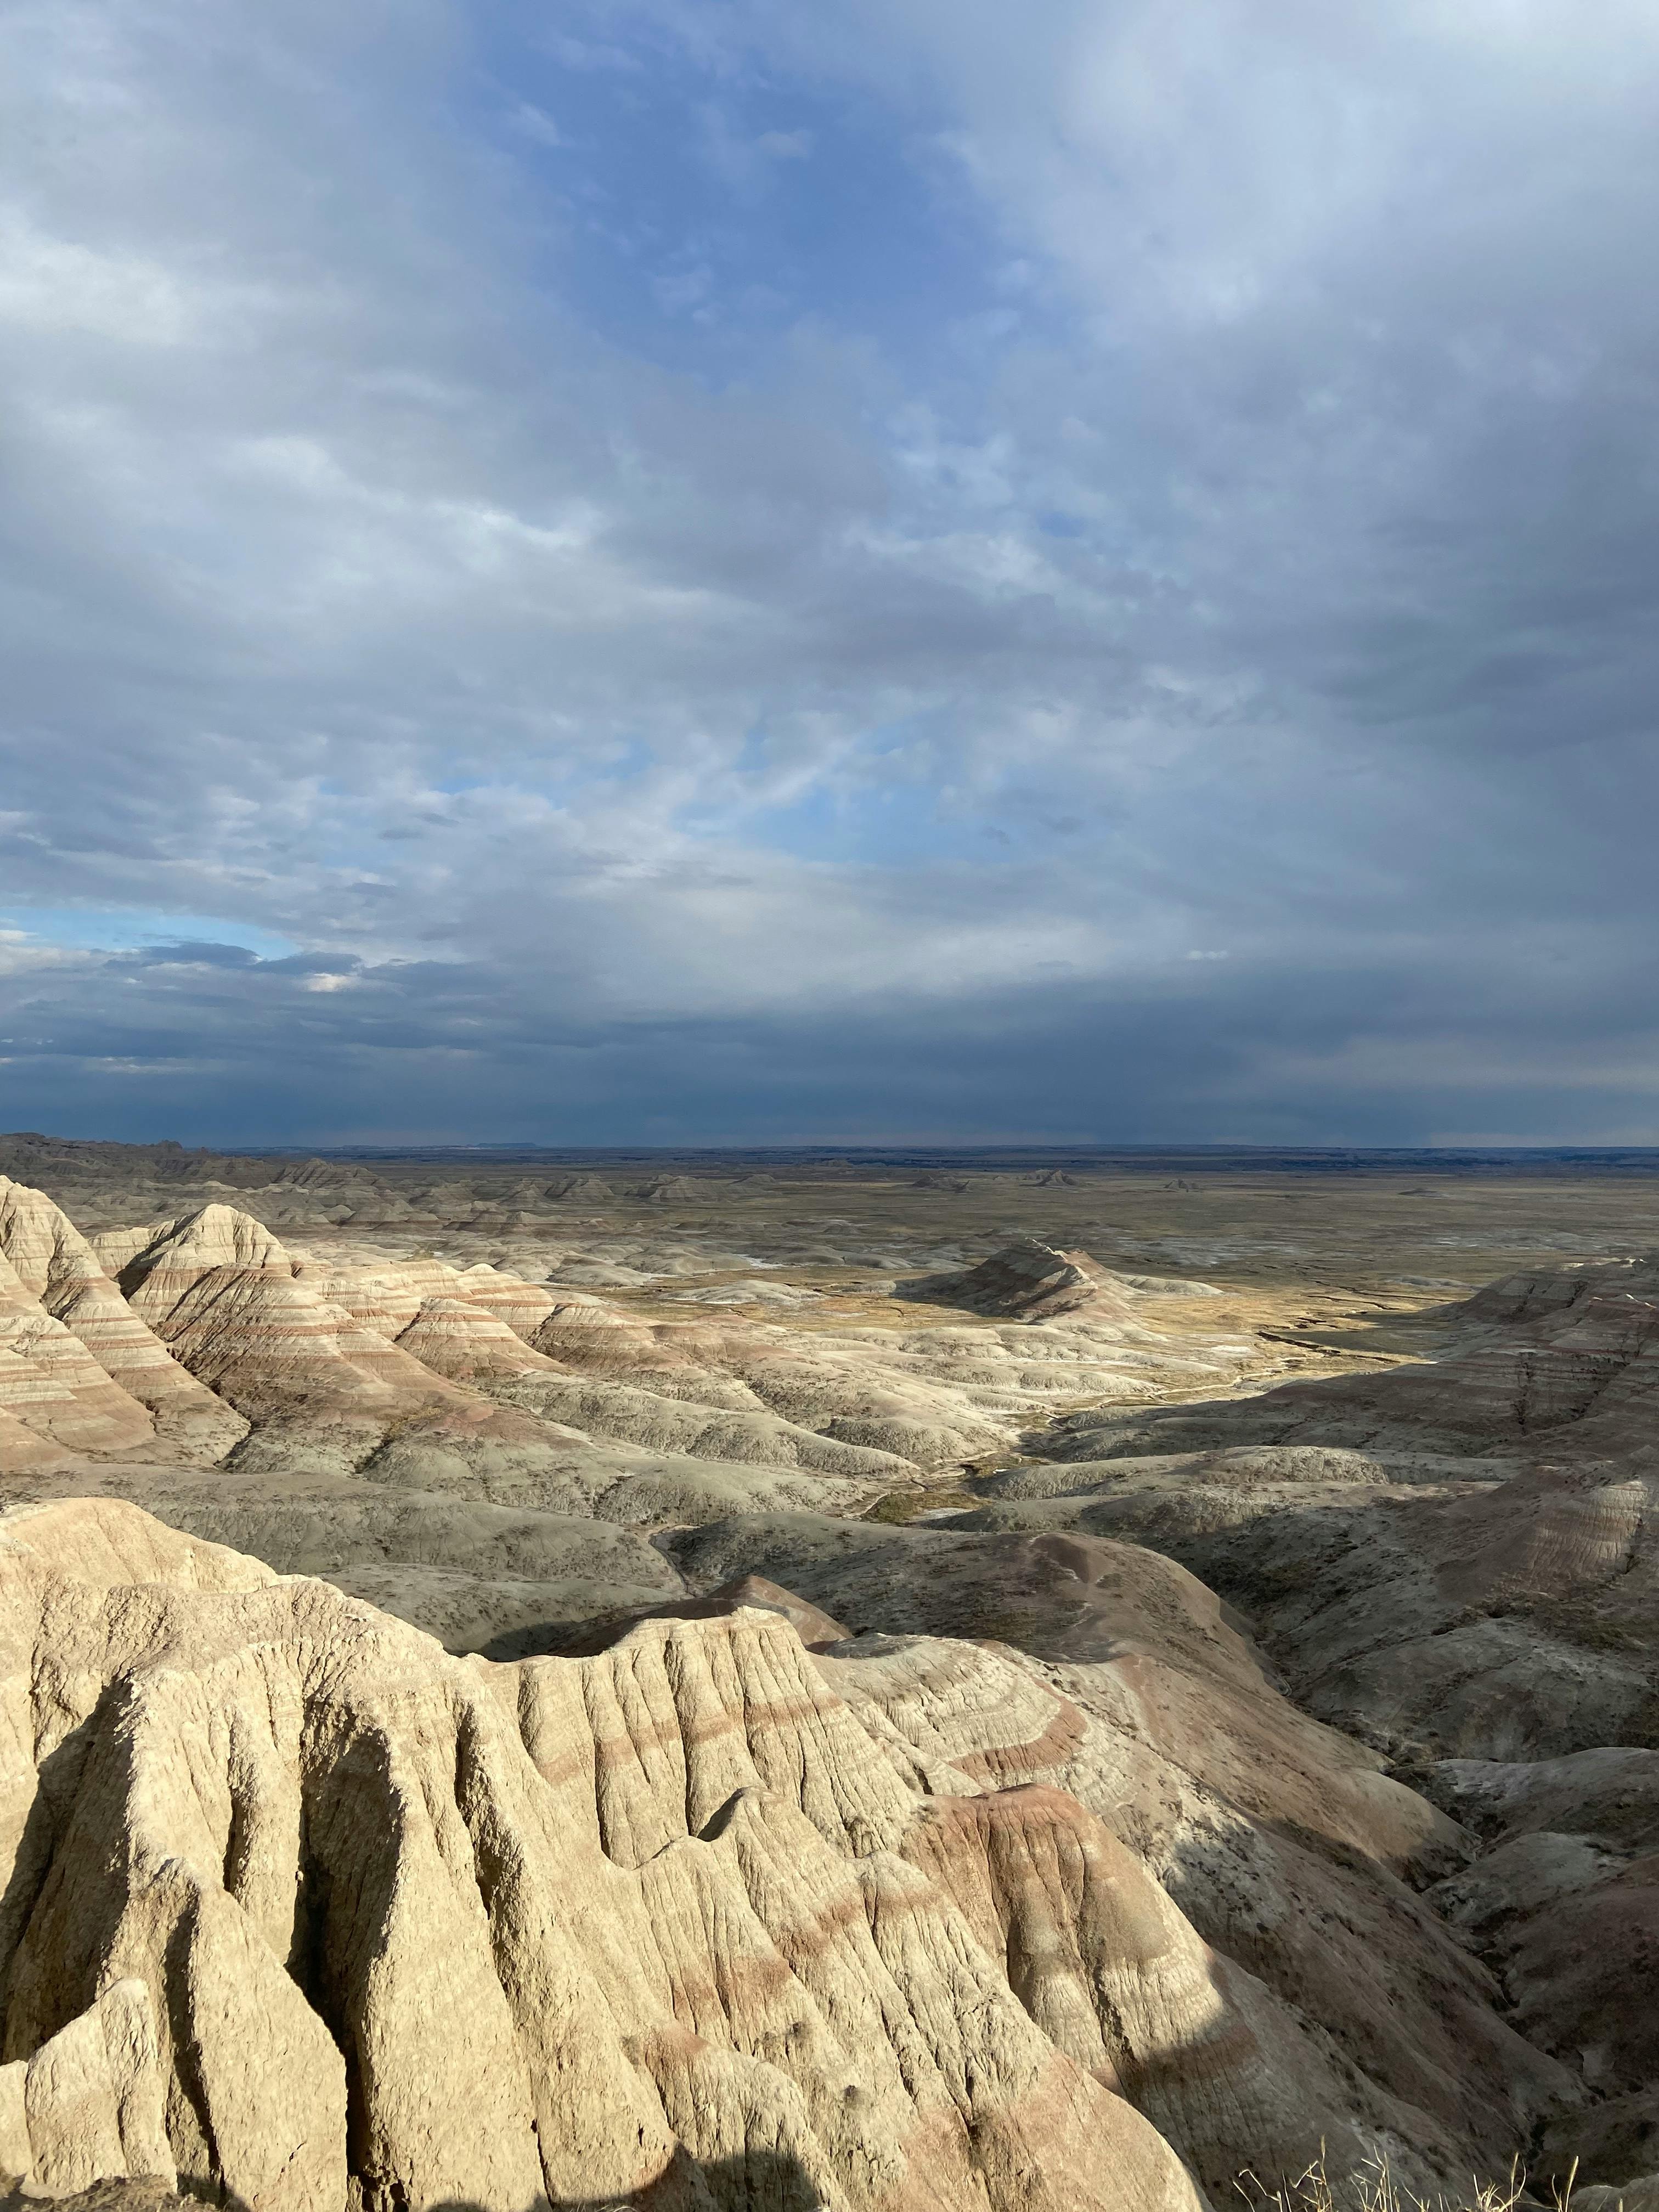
[[1452, 1562], [1031, 1281], [691, 1923], [220, 1345], [56, 1265], [1206, 1775]]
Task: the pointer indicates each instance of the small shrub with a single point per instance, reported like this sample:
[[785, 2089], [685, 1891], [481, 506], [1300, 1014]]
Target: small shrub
[[899, 1506]]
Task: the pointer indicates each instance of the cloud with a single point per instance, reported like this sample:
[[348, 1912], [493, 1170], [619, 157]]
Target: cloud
[[535, 123], [874, 533]]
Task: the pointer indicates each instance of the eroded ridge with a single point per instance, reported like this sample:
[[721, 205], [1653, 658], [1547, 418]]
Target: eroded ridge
[[695, 1921]]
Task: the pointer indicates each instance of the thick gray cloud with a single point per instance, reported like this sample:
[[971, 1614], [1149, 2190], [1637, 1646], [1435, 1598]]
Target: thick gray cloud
[[1193, 675]]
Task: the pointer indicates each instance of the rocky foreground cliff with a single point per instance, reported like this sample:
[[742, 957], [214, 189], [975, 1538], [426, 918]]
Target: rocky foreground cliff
[[302, 1909]]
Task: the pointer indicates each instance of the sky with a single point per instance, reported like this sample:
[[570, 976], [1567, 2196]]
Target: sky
[[695, 571]]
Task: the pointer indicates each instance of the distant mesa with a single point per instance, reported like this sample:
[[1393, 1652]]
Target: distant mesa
[[1048, 1178], [1029, 1281], [28, 1152]]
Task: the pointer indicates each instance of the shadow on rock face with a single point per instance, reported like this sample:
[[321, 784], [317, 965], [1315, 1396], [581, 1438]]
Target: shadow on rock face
[[759, 2181]]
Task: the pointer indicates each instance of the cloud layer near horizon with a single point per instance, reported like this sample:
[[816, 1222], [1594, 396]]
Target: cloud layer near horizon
[[672, 573]]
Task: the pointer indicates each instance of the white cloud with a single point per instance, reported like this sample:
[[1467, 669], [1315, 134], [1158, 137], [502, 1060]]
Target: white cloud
[[535, 123], [49, 285], [363, 581]]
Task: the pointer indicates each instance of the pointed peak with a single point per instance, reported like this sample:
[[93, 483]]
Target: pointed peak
[[220, 1235]]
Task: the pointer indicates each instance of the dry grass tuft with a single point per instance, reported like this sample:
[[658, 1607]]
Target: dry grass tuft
[[1372, 2187]]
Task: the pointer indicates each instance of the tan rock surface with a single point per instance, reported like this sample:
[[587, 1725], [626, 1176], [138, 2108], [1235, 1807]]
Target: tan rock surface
[[57, 1264], [478, 1575], [88, 2105], [1283, 1842], [467, 1342], [52, 1386], [582, 1928], [386, 1297], [224, 1294], [1454, 1561]]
